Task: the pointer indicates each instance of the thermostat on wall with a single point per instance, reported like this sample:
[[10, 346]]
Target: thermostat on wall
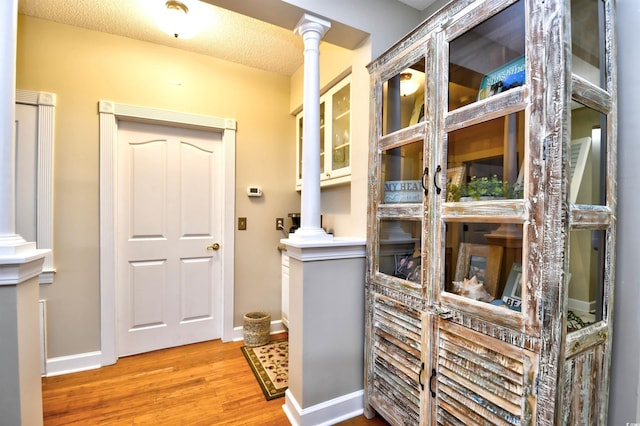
[[254, 191]]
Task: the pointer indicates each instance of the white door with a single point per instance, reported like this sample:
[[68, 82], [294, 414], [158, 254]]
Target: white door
[[168, 253]]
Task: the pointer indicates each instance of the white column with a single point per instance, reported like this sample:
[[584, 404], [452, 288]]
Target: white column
[[312, 29], [20, 261], [8, 41]]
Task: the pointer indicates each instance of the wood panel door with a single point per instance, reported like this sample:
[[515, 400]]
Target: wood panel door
[[169, 256]]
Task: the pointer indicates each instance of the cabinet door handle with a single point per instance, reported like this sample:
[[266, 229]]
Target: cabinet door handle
[[420, 376], [431, 382], [435, 179], [425, 175]]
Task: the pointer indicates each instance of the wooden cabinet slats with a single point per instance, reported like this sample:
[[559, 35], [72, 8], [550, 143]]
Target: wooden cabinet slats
[[396, 360]]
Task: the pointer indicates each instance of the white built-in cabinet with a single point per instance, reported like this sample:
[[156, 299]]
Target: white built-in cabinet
[[335, 136], [497, 166]]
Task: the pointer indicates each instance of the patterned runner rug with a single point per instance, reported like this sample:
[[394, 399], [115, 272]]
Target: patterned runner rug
[[270, 365]]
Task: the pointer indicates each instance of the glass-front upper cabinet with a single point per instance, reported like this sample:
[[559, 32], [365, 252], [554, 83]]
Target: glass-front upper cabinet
[[335, 136]]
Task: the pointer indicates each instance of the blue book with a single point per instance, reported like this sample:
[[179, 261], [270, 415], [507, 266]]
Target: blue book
[[510, 75]]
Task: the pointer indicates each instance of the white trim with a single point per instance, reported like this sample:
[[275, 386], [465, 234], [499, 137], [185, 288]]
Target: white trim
[[42, 305], [337, 248], [93, 360], [581, 305], [19, 268], [46, 103], [73, 363], [110, 113], [276, 327], [326, 413]]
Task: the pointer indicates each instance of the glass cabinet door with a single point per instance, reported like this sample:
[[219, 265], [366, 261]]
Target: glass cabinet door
[[335, 136], [299, 124], [587, 40], [483, 216], [400, 224], [323, 138], [488, 59], [403, 98], [482, 165], [400, 197], [341, 128]]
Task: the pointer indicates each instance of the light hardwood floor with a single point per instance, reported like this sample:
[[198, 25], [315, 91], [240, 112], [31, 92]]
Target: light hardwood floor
[[206, 383]]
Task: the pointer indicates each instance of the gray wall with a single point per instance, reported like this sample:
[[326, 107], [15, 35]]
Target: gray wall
[[624, 397]]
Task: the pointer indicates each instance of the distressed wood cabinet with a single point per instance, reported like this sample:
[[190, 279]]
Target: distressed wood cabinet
[[491, 245]]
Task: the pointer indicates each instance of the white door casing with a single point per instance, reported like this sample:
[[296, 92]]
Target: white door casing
[[168, 253], [111, 114]]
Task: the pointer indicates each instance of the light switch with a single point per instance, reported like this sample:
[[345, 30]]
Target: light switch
[[242, 224]]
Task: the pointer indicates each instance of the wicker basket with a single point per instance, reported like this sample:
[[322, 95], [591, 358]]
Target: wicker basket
[[256, 328]]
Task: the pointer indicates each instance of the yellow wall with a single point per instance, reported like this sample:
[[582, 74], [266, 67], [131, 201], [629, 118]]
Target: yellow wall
[[82, 67]]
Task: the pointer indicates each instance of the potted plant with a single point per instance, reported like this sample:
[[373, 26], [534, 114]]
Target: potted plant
[[483, 188]]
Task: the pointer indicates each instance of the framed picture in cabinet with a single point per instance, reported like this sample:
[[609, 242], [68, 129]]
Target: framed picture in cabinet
[[455, 175], [512, 294], [408, 267], [482, 261]]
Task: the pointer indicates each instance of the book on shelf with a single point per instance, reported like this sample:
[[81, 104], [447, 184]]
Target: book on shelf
[[508, 76]]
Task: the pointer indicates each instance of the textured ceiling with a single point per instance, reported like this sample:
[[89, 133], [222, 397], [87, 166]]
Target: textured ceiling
[[224, 34]]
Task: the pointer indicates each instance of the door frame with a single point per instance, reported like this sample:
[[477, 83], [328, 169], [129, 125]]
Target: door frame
[[110, 113]]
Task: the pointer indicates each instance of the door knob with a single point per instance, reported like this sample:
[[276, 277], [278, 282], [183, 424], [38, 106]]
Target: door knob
[[214, 246]]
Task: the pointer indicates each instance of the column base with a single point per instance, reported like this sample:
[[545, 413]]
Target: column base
[[310, 235], [20, 384], [15, 246]]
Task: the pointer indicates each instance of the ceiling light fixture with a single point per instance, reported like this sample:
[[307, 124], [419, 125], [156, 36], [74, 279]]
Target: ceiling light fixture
[[408, 86], [175, 20]]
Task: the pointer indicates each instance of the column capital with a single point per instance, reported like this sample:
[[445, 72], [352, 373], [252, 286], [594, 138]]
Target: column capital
[[312, 23]]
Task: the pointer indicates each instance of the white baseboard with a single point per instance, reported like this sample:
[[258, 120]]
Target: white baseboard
[[92, 360], [326, 413], [581, 305], [276, 327], [74, 363]]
